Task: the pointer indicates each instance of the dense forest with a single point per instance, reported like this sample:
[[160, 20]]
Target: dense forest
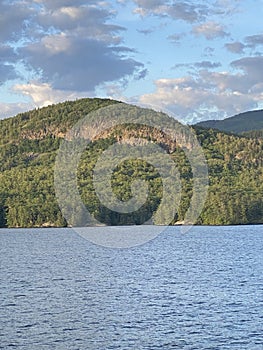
[[30, 141], [251, 121]]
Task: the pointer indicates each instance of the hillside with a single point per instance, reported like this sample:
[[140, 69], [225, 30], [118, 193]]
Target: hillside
[[29, 144], [254, 134], [238, 124]]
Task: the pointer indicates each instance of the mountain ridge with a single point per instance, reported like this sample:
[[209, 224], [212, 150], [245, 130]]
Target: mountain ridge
[[29, 143], [240, 123]]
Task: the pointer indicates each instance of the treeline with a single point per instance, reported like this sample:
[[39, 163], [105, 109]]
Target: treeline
[[29, 144], [240, 123], [254, 134]]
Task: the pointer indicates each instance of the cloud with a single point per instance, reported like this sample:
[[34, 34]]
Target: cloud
[[235, 47], [252, 68], [53, 5], [69, 45], [176, 38], [148, 6], [7, 61], [181, 10], [198, 65], [210, 30], [187, 11], [7, 72], [209, 51], [211, 94], [42, 94], [85, 51], [145, 31], [79, 64], [253, 41], [207, 64], [250, 42], [13, 19], [88, 21]]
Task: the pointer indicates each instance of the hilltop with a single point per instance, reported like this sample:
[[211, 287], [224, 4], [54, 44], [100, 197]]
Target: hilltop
[[238, 124], [29, 143]]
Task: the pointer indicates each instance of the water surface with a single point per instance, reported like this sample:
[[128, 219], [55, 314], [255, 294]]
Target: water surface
[[200, 290]]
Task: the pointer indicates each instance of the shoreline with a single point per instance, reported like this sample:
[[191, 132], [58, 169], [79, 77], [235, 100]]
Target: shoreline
[[104, 226]]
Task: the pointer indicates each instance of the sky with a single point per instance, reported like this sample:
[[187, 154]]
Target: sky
[[196, 60]]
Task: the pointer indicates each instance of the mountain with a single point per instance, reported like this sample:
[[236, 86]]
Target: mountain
[[29, 143], [238, 124], [256, 134]]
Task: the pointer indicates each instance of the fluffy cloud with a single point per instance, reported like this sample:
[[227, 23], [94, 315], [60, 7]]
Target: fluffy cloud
[[197, 14], [235, 47], [69, 45], [210, 30], [148, 6], [252, 68], [188, 11], [55, 4], [254, 40], [13, 19], [79, 64], [43, 94], [40, 94], [250, 42], [12, 23], [86, 21], [211, 94], [181, 10]]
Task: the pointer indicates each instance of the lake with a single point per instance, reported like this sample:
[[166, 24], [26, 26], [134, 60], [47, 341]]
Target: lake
[[199, 290]]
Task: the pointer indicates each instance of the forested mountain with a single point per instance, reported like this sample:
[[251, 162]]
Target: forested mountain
[[257, 134], [28, 148], [238, 124]]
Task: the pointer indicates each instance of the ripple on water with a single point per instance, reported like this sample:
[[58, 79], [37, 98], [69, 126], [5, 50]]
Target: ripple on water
[[202, 290]]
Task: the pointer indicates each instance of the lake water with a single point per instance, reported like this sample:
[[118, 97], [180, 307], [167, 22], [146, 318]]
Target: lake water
[[200, 290]]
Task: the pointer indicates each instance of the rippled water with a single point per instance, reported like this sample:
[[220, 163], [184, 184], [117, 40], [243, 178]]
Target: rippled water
[[201, 290]]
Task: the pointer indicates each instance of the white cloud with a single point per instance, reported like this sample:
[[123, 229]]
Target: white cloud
[[148, 6], [74, 13], [42, 94], [211, 94], [75, 47], [210, 30], [69, 45], [55, 44], [188, 11], [181, 10], [89, 21], [55, 4]]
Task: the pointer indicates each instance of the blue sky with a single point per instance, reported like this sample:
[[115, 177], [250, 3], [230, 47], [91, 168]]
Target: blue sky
[[194, 59]]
